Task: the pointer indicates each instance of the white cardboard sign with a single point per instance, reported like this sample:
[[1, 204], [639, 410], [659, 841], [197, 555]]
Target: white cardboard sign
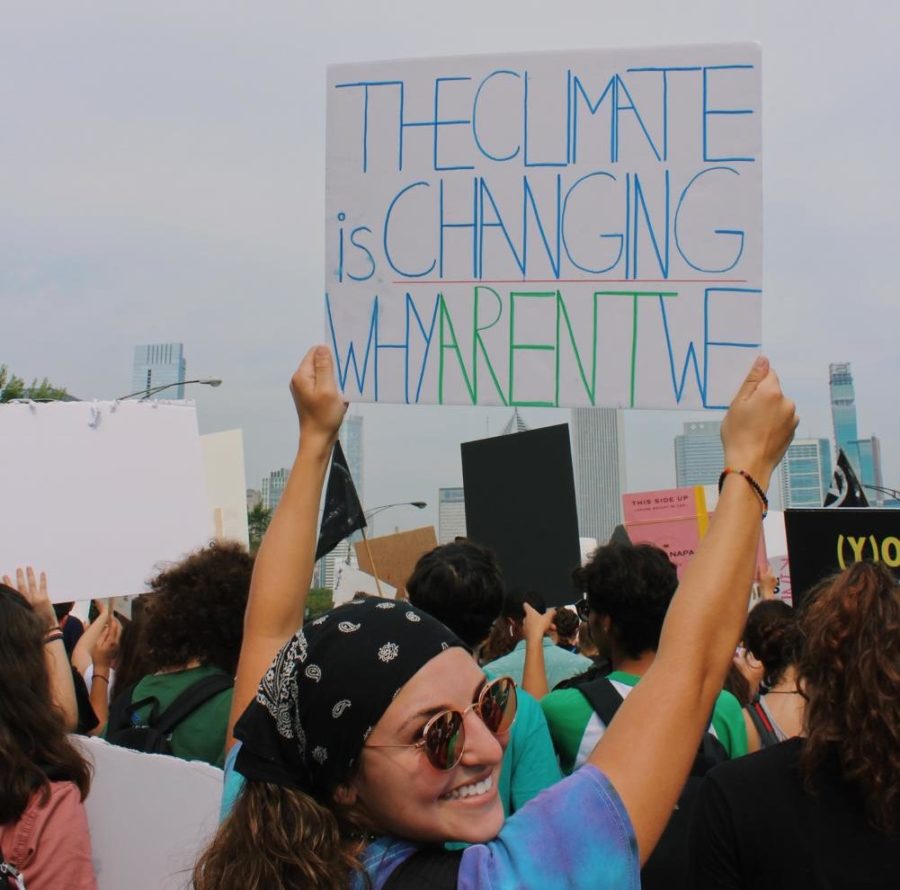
[[559, 229], [226, 484], [150, 816], [351, 581], [98, 494]]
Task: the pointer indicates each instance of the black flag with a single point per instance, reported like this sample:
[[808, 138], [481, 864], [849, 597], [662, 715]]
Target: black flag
[[343, 513], [845, 490]]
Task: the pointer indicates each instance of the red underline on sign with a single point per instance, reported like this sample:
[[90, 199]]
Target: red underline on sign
[[574, 281]]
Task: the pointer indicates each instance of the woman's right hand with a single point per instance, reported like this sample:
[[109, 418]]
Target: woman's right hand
[[319, 403], [759, 425]]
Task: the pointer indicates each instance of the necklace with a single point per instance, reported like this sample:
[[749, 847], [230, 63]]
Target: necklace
[[784, 692]]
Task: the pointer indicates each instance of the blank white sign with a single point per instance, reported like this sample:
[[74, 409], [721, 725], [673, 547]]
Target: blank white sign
[[99, 494]]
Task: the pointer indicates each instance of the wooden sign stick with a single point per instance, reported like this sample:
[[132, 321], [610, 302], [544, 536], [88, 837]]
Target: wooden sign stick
[[372, 562]]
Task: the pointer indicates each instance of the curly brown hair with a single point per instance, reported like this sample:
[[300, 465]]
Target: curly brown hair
[[198, 610], [850, 668], [280, 837], [34, 747]]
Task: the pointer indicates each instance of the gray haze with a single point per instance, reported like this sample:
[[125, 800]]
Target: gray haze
[[162, 171]]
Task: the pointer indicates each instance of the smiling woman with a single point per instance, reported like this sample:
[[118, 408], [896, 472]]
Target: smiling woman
[[374, 738]]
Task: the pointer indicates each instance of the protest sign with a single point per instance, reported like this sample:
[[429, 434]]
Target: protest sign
[[558, 228], [822, 542], [395, 556], [150, 816], [99, 494], [676, 520], [226, 484], [520, 502]]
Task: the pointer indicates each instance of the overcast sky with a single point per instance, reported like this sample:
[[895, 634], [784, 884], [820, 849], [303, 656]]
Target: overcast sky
[[162, 179]]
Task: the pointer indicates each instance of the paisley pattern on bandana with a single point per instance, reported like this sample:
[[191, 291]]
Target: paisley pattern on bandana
[[329, 686]]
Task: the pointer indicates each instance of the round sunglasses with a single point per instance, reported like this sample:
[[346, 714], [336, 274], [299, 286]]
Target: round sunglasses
[[444, 735]]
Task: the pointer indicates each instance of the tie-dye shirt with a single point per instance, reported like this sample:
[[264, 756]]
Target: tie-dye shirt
[[575, 834]]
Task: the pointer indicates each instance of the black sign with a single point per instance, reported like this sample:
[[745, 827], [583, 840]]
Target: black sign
[[520, 502], [823, 542]]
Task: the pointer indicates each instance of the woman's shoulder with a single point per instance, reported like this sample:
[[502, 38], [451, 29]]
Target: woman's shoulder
[[52, 812]]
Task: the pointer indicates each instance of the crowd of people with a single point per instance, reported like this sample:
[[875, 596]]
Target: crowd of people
[[466, 735]]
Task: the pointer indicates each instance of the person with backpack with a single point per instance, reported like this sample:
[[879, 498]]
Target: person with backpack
[[370, 737], [192, 635], [627, 592], [44, 838]]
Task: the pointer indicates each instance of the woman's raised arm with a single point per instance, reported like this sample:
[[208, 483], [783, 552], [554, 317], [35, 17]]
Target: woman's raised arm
[[284, 563], [648, 749]]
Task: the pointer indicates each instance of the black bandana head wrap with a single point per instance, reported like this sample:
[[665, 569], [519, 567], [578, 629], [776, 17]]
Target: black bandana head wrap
[[328, 687]]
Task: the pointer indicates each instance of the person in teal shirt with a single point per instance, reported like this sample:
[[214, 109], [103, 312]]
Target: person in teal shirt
[[559, 665]]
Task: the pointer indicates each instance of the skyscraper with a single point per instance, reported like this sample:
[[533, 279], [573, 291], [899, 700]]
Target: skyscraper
[[451, 514], [159, 364], [699, 456], [864, 454], [272, 487], [806, 473], [843, 407], [598, 444], [352, 441]]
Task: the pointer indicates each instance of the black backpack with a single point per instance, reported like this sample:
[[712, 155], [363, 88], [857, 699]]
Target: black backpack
[[431, 867], [666, 869], [153, 735]]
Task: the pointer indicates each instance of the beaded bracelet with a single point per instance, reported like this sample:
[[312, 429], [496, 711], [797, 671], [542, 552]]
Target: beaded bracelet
[[752, 483]]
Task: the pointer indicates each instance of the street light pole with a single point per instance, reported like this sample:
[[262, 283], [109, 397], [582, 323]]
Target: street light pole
[[419, 505], [893, 492], [154, 390]]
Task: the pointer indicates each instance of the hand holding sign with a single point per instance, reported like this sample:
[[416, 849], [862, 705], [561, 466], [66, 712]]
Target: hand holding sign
[[320, 406], [759, 424]]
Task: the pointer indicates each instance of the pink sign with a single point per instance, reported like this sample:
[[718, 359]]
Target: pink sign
[[675, 519]]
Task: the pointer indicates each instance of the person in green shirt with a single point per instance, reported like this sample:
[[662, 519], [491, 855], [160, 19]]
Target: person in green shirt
[[628, 590], [193, 629]]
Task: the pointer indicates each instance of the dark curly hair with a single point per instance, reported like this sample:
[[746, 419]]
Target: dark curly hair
[[633, 584], [34, 747], [198, 610], [461, 585], [850, 668], [773, 635]]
